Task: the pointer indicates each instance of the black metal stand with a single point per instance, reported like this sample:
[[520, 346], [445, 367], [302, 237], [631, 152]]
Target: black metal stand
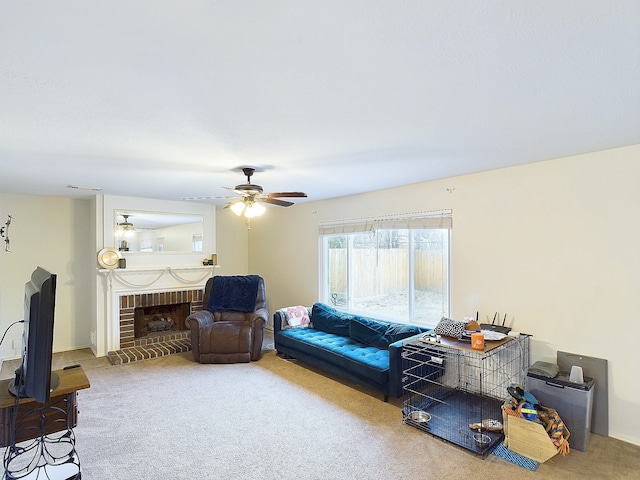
[[45, 456]]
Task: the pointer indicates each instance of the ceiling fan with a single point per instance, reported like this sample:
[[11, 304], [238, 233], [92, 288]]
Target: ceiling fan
[[126, 226], [252, 195]]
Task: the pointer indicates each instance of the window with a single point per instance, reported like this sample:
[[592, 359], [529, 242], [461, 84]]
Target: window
[[196, 242], [146, 245], [394, 268]]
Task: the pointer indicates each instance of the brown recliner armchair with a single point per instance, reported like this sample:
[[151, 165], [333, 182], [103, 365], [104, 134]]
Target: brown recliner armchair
[[235, 335]]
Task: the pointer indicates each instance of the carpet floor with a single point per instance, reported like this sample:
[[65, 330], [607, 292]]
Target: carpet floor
[[276, 419]]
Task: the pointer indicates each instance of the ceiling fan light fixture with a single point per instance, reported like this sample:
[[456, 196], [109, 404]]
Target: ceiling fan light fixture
[[252, 197], [125, 228], [237, 207], [254, 210]]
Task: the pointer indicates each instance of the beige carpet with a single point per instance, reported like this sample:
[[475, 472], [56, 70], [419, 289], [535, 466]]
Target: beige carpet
[[275, 419]]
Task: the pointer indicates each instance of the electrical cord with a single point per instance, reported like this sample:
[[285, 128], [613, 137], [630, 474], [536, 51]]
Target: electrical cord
[[5, 332]]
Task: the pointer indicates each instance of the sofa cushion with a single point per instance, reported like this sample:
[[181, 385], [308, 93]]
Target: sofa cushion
[[369, 332], [398, 331], [379, 334], [330, 320], [297, 317], [363, 360]]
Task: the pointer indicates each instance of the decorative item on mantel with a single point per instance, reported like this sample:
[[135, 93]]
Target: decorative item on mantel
[[211, 261], [109, 258]]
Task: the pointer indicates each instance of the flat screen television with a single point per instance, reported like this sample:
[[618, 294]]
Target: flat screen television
[[34, 378]]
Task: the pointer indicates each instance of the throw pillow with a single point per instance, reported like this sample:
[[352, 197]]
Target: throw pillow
[[369, 332], [329, 320], [378, 333], [397, 332], [450, 328], [297, 317]]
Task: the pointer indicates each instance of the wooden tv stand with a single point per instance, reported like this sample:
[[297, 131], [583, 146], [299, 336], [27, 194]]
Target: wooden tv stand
[[60, 413]]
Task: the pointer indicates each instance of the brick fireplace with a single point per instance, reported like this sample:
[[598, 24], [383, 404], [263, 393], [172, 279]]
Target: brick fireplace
[[129, 304], [176, 305], [157, 320], [161, 298]]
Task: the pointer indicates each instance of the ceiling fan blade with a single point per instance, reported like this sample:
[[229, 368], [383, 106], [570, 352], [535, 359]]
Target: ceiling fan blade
[[237, 192], [287, 194], [275, 201]]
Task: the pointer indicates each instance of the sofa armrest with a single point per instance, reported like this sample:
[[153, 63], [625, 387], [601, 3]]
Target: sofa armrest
[[279, 320], [259, 318], [396, 372], [195, 322], [199, 319]]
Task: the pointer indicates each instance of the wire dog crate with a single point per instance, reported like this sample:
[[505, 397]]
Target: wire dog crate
[[456, 393]]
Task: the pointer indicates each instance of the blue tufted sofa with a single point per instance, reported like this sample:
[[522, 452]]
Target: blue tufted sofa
[[361, 349]]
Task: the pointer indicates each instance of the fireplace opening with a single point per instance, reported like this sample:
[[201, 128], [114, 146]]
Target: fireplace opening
[[160, 319]]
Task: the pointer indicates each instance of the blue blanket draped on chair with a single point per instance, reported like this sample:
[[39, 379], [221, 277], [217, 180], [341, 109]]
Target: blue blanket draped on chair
[[234, 293]]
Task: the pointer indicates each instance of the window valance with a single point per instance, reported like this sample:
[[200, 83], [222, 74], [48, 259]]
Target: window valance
[[439, 220]]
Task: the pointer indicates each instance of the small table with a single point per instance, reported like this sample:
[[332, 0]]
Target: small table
[[71, 380], [24, 419]]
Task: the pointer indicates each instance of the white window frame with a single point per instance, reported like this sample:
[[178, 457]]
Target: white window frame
[[196, 242], [441, 220]]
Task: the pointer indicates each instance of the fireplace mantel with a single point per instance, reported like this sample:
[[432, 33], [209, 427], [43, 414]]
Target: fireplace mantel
[[149, 279]]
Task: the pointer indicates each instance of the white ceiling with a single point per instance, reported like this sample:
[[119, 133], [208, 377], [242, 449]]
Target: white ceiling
[[168, 99]]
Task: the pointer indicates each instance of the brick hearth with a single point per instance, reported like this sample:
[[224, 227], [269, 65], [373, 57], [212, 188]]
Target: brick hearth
[[152, 346], [166, 346]]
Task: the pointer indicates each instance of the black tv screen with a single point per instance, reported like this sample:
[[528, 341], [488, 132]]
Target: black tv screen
[[34, 378]]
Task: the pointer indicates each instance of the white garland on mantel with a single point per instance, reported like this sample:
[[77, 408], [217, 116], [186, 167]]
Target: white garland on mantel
[[114, 274]]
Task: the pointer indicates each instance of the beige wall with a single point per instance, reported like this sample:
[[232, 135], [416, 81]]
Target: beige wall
[[54, 233], [60, 234], [553, 244], [232, 244]]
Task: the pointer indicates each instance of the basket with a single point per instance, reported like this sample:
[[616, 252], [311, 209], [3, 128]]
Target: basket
[[528, 438]]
